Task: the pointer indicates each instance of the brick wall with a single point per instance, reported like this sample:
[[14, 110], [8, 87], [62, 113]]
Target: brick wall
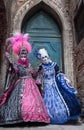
[[3, 34], [78, 53], [74, 6]]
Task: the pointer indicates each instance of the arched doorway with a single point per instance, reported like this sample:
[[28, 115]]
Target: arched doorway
[[44, 33], [28, 10]]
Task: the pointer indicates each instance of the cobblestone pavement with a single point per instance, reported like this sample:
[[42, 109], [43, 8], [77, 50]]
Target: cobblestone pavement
[[44, 127]]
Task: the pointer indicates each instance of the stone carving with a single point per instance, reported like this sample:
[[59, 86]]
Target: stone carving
[[29, 3], [20, 13]]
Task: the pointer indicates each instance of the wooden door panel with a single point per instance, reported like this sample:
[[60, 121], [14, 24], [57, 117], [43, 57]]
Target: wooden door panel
[[44, 33]]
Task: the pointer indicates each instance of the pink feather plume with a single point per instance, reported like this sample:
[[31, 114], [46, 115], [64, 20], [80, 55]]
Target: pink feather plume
[[19, 41]]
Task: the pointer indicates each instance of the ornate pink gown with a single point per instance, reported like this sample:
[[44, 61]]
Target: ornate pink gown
[[22, 102]]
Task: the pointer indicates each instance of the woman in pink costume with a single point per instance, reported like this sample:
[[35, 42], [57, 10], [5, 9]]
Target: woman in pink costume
[[21, 101]]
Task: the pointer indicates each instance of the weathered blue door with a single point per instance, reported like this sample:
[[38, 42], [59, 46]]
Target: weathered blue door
[[44, 33]]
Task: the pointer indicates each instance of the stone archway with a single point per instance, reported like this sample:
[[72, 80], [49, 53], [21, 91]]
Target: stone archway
[[3, 34], [58, 12]]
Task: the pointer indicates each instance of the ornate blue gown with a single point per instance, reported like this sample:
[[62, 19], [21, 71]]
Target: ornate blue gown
[[59, 96]]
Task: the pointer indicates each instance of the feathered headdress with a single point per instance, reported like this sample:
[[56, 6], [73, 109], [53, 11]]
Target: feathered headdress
[[18, 42]]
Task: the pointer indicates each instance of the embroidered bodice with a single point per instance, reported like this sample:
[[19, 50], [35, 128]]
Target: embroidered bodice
[[48, 72], [24, 71]]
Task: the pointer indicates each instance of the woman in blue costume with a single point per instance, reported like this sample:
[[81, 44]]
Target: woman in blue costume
[[59, 95]]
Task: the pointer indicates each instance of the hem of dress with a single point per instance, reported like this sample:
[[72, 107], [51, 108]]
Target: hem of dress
[[11, 122], [21, 121], [75, 117]]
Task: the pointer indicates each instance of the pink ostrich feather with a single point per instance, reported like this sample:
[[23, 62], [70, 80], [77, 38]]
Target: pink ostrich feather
[[26, 44], [19, 41]]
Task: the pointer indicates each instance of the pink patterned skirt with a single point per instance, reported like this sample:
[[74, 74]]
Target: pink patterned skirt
[[28, 104], [33, 107]]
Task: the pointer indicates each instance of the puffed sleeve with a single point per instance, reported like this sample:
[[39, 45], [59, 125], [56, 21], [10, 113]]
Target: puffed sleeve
[[65, 83]]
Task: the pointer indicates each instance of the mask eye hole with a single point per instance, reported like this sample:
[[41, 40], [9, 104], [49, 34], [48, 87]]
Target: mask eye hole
[[44, 57], [23, 55]]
